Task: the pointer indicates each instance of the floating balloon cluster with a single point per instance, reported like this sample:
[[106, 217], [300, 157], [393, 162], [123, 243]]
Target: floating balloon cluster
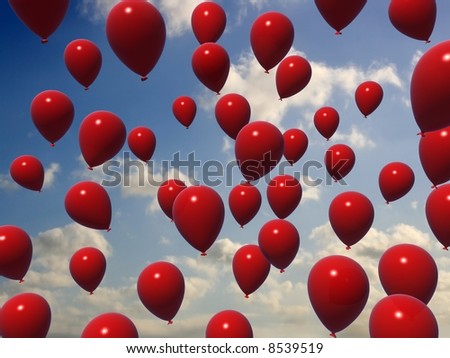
[[338, 286]]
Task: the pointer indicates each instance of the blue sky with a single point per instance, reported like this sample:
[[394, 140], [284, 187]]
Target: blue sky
[[369, 49]]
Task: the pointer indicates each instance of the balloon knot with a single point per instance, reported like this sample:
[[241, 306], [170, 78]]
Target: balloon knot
[[282, 271], [365, 116], [91, 293], [242, 226], [108, 229], [422, 134], [434, 186], [218, 93], [427, 41], [246, 296], [445, 248], [86, 88], [44, 41], [387, 202], [21, 280], [338, 32], [332, 334], [90, 168], [203, 254], [144, 78], [348, 247], [187, 127], [280, 99], [52, 145], [169, 322]]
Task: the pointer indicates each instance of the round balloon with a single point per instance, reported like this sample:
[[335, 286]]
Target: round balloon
[[208, 21], [258, 149], [229, 324], [351, 215], [402, 316], [295, 145], [26, 315], [101, 136], [339, 161], [437, 210], [42, 17], [198, 213], [88, 204], [326, 121], [110, 325], [28, 172], [413, 18], [293, 75], [395, 180], [87, 267], [244, 202], [232, 112], [136, 32], [250, 268], [368, 96], [279, 241], [408, 269], [338, 14], [167, 193], [52, 113], [271, 38], [16, 251], [142, 143], [338, 289], [284, 193], [184, 109], [160, 288], [211, 65], [433, 153], [83, 59], [430, 89]]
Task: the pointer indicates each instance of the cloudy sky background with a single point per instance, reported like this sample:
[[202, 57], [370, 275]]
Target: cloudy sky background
[[369, 49]]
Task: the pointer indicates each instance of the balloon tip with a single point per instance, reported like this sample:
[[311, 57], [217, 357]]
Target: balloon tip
[[21, 280], [332, 334], [338, 32], [427, 41], [169, 322], [91, 293], [282, 271], [348, 247], [108, 229], [434, 186], [44, 41], [280, 99], [387, 202], [203, 254], [422, 134], [144, 78], [52, 145], [86, 88], [246, 296], [266, 71], [90, 168], [365, 116], [445, 248]]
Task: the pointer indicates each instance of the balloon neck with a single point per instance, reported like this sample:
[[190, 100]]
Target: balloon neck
[[282, 271], [44, 41], [52, 145], [445, 248], [21, 280], [169, 322], [427, 41], [203, 254], [246, 296], [266, 71], [280, 99], [108, 229], [90, 168], [144, 78], [187, 127], [86, 88], [387, 202], [422, 134], [91, 293], [338, 32], [332, 334], [242, 226], [365, 116], [434, 186], [171, 220], [218, 93], [348, 247], [328, 139]]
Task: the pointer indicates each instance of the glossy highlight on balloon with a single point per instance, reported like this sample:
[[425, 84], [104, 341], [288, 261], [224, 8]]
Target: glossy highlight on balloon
[[395, 180], [292, 76], [28, 172], [232, 112], [110, 325], [339, 161], [229, 324], [295, 145], [208, 21], [326, 120], [142, 142], [184, 109], [284, 193], [244, 202], [87, 267], [368, 96]]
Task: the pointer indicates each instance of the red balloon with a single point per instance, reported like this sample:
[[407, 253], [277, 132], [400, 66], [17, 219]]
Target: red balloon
[[102, 135], [42, 17], [244, 201], [293, 75], [87, 267], [413, 18], [184, 109], [136, 32], [26, 315], [326, 121], [437, 210], [434, 150], [339, 161], [250, 268], [259, 147], [142, 142], [198, 213], [229, 324], [160, 288], [284, 193], [271, 38], [16, 251], [351, 215], [110, 325], [395, 181], [232, 112], [339, 14], [88, 204], [295, 145], [28, 172], [430, 89], [402, 316], [211, 65], [338, 289], [410, 270], [208, 21], [52, 113], [83, 59], [368, 96], [279, 241], [167, 193]]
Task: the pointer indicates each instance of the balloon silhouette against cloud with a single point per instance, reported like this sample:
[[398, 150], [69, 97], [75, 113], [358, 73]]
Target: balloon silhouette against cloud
[[232, 112], [293, 75], [87, 267], [42, 17], [229, 324], [395, 180], [184, 109], [244, 202], [110, 325], [368, 96], [142, 142], [16, 251], [28, 172], [326, 121], [167, 193], [295, 145], [208, 21], [339, 161], [284, 193], [339, 14], [136, 32], [437, 211]]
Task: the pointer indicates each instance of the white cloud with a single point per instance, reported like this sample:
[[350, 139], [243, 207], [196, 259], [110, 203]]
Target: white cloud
[[355, 139], [50, 174], [6, 183]]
